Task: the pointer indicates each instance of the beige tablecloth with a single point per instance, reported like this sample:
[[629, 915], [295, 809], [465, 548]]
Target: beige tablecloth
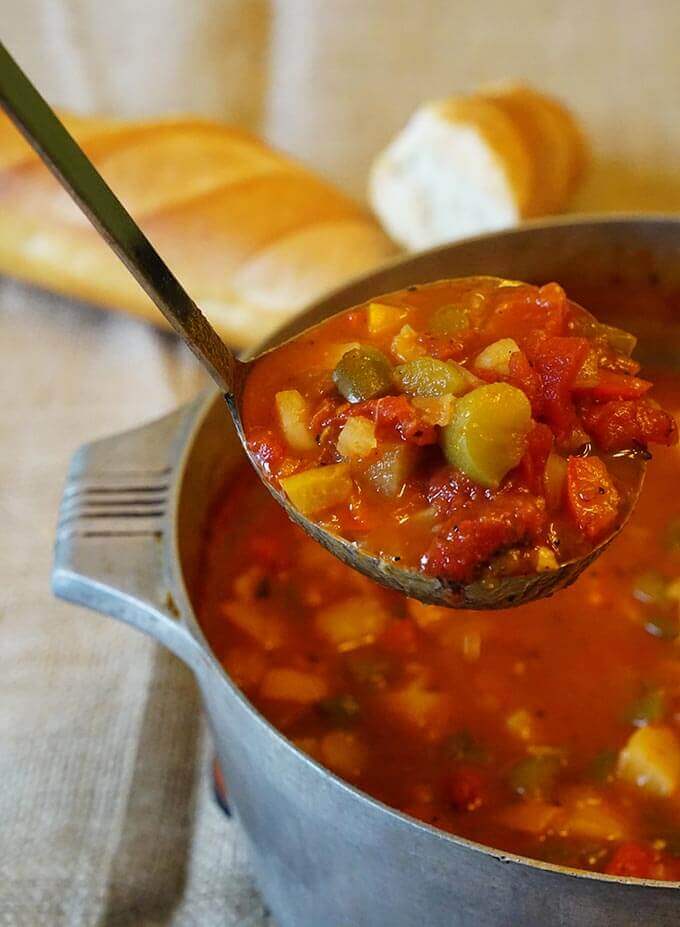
[[106, 815]]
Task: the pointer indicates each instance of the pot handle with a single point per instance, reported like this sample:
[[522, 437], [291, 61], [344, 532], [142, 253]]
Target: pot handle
[[112, 529]]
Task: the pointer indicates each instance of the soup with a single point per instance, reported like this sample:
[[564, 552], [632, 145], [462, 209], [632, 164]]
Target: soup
[[550, 730]]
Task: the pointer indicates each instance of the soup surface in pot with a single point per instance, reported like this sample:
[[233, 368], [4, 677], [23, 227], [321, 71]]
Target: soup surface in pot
[[551, 730]]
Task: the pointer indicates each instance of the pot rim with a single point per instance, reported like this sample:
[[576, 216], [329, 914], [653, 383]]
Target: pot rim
[[186, 609]]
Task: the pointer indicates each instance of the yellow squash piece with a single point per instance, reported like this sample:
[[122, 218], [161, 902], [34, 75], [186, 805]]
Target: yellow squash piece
[[357, 438], [320, 488], [488, 434], [352, 623]]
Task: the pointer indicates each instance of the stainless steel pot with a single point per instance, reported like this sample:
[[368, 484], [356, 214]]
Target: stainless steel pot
[[324, 854]]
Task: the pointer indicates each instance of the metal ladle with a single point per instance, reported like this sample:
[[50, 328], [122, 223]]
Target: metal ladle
[[44, 131]]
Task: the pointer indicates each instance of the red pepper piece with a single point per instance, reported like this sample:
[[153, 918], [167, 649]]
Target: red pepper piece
[[622, 424], [475, 534], [592, 497], [612, 385], [632, 860]]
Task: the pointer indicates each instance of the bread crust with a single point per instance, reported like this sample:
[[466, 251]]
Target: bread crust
[[223, 209]]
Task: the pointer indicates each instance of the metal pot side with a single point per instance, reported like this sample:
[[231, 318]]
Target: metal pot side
[[324, 854]]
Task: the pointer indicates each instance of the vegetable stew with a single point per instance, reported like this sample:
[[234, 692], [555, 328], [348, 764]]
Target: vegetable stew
[[550, 730], [458, 428]]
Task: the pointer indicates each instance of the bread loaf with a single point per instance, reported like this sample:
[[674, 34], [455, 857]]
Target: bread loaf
[[472, 164], [252, 235]]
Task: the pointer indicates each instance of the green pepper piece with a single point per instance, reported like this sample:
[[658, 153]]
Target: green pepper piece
[[534, 776], [363, 373], [370, 669], [602, 766], [617, 338], [387, 471], [462, 746], [427, 376], [450, 320], [341, 709], [648, 708]]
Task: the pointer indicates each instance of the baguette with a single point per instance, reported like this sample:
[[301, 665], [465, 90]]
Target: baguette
[[252, 235], [472, 164]]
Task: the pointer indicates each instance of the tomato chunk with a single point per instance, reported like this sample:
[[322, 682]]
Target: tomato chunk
[[557, 361], [395, 414], [622, 424], [632, 860], [466, 789], [400, 636], [532, 465], [523, 376], [476, 533], [523, 313], [592, 496], [450, 488]]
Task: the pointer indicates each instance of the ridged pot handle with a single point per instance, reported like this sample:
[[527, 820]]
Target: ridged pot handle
[[113, 527]]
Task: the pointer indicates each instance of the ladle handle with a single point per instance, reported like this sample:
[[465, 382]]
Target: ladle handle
[[44, 131]]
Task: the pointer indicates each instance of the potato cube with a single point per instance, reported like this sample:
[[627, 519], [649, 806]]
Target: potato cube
[[419, 707], [291, 685], [382, 318], [425, 616], [320, 488], [357, 438], [651, 760], [545, 560], [522, 725], [405, 344], [531, 816], [496, 357], [352, 622], [589, 815], [344, 753], [293, 412], [262, 625]]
